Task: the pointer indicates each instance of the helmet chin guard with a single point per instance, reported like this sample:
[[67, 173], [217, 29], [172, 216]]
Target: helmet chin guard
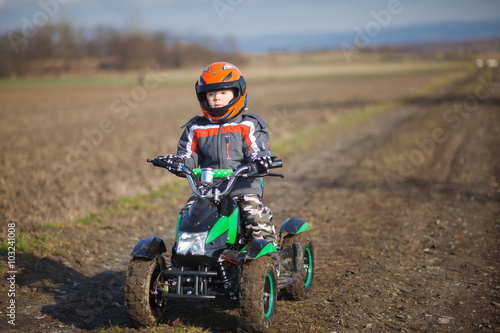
[[220, 76]]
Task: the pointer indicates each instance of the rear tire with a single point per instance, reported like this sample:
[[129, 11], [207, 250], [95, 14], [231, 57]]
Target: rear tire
[[301, 288], [258, 297], [143, 297]]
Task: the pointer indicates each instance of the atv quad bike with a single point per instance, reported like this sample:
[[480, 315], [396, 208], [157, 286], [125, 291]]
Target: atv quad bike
[[213, 257]]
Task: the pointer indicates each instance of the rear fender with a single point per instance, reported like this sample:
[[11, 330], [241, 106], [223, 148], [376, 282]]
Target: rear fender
[[255, 249], [149, 248], [293, 226]]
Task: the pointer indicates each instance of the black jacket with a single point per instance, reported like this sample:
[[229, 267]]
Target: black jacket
[[226, 146]]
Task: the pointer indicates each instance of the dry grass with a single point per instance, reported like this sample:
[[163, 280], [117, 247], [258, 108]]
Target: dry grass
[[69, 150]]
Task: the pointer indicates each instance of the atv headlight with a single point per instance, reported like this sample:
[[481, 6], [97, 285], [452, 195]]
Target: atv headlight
[[191, 242]]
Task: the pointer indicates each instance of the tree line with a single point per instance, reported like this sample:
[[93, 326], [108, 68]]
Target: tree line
[[56, 49]]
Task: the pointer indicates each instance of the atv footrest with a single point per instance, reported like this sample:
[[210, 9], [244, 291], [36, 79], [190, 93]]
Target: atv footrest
[[188, 297], [190, 273], [286, 279], [189, 284]]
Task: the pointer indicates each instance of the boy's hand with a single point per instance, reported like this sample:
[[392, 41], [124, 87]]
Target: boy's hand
[[174, 163], [263, 163]]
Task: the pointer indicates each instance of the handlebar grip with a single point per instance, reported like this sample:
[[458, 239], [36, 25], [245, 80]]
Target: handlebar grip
[[157, 162], [217, 173], [277, 163]]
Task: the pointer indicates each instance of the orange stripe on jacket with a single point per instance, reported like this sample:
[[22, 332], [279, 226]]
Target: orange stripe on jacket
[[207, 132]]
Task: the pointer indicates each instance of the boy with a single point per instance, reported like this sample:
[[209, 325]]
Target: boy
[[226, 138]]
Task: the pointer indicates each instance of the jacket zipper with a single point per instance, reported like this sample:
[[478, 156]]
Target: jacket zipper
[[220, 145], [227, 147]]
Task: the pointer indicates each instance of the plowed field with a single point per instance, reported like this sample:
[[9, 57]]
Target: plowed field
[[400, 186]]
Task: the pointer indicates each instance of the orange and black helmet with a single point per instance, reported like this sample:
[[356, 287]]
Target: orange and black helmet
[[218, 76]]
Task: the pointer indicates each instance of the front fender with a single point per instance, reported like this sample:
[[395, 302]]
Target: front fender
[[149, 248], [255, 249], [294, 226]]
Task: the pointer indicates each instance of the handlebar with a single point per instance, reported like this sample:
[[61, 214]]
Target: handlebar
[[209, 190], [224, 173]]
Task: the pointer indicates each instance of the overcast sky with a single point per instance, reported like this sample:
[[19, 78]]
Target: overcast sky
[[220, 18]]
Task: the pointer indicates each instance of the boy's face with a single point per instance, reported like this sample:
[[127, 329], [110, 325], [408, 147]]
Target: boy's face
[[219, 98]]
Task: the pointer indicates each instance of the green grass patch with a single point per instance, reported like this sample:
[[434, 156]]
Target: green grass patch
[[25, 243], [306, 138], [445, 81], [90, 219], [301, 141], [470, 87], [363, 115]]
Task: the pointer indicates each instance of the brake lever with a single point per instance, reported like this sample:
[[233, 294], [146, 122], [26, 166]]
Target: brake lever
[[267, 174], [275, 175], [254, 173]]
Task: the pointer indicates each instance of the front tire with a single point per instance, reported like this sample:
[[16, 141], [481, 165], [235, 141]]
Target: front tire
[[143, 296], [301, 287], [258, 297]]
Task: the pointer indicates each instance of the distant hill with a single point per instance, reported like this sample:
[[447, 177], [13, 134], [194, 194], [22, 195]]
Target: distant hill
[[383, 36]]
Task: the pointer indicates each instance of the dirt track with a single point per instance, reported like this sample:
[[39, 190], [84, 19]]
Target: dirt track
[[404, 211]]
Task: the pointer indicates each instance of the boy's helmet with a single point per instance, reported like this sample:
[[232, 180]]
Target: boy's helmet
[[217, 76]]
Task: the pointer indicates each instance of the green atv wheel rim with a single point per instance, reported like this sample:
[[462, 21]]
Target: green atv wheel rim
[[307, 266], [268, 295]]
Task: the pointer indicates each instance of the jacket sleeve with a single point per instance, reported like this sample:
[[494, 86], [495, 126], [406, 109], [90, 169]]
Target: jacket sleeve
[[187, 148], [258, 140]]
